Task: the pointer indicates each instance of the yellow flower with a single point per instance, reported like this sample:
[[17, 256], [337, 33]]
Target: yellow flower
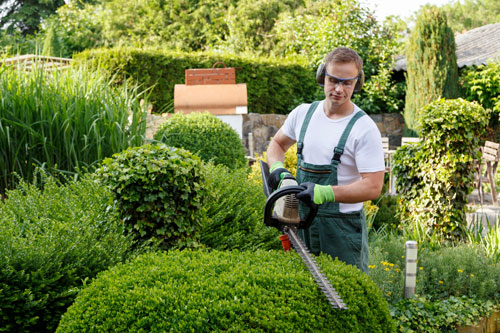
[[460, 271], [392, 265], [386, 269], [421, 268], [390, 281], [389, 293], [402, 257], [472, 275], [372, 266], [441, 282], [397, 270]]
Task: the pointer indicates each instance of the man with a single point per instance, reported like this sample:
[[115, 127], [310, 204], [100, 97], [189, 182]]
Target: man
[[340, 161]]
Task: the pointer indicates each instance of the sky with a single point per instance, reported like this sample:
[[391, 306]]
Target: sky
[[402, 8]]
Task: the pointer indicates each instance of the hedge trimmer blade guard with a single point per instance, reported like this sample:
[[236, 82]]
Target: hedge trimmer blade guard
[[290, 234]]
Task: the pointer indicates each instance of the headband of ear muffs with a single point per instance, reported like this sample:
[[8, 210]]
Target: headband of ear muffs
[[320, 78]]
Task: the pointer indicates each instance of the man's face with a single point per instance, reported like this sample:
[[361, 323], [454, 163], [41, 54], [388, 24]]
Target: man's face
[[338, 91]]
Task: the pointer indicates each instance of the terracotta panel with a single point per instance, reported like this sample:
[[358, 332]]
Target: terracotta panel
[[214, 98]]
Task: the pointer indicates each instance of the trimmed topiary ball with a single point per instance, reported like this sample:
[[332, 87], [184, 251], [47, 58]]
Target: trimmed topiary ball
[[206, 136], [212, 291], [158, 191]]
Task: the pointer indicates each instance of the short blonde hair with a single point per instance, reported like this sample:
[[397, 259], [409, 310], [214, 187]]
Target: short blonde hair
[[344, 55]]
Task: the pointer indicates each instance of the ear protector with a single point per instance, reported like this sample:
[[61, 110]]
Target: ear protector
[[320, 78]]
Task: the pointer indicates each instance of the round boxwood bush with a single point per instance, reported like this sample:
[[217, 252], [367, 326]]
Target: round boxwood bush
[[158, 191], [206, 136], [210, 291]]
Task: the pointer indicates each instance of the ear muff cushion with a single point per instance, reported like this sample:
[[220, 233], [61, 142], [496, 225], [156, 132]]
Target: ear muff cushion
[[320, 75], [360, 82]]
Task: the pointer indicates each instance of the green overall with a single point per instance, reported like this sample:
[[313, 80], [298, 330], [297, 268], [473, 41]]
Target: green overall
[[341, 235]]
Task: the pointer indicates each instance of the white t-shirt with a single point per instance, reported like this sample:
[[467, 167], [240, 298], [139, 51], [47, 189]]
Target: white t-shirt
[[362, 152]]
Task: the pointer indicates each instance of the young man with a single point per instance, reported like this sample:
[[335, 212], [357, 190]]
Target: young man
[[340, 160]]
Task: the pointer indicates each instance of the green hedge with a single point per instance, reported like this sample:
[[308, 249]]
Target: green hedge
[[273, 86], [212, 291], [51, 242]]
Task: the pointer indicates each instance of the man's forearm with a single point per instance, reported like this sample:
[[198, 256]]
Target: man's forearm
[[368, 188]]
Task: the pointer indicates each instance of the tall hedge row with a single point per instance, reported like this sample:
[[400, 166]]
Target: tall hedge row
[[274, 86]]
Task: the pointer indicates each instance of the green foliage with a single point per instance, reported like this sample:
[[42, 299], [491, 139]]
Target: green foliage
[[205, 135], [158, 191], [432, 70], [205, 291], [469, 14], [386, 216], [425, 314], [482, 84], [25, 16], [62, 120], [435, 176], [272, 84], [235, 207], [52, 241], [51, 44], [455, 285]]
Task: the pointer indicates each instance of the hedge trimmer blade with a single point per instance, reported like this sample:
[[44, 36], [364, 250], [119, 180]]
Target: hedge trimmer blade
[[331, 294]]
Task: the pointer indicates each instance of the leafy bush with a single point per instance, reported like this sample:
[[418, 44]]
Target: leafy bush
[[62, 120], [273, 85], [455, 285], [426, 314], [235, 207], [432, 65], [205, 135], [204, 291], [435, 176], [482, 84], [158, 192], [255, 174], [386, 214], [52, 241]]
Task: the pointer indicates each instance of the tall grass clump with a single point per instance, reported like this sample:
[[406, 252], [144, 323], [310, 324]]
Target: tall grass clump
[[62, 120]]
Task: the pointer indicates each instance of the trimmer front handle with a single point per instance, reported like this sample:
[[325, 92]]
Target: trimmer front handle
[[271, 220]]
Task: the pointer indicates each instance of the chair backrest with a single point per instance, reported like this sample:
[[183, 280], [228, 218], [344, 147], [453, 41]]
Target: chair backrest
[[405, 140], [385, 144], [491, 151]]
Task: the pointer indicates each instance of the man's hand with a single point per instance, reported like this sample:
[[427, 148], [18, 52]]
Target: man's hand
[[314, 193], [278, 172]]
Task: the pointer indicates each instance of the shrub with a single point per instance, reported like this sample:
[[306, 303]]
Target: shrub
[[62, 120], [235, 207], [386, 214], [204, 291], [52, 241], [482, 84], [273, 85], [432, 65], [290, 164], [435, 176], [425, 314], [158, 191], [205, 135]]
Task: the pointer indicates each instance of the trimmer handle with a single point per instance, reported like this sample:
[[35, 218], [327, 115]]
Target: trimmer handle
[[271, 220]]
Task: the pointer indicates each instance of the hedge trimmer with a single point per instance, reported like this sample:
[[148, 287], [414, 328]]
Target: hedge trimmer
[[282, 212]]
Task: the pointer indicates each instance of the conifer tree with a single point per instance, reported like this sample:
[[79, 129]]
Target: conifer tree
[[51, 43], [431, 63]]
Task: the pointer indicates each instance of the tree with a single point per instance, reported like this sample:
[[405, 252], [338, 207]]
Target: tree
[[432, 70], [51, 44], [469, 14], [25, 16]]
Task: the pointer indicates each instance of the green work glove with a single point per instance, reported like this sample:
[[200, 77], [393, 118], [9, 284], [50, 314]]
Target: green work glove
[[314, 193], [277, 173]]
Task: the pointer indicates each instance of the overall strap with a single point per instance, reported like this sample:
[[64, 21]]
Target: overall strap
[[339, 150], [300, 143]]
